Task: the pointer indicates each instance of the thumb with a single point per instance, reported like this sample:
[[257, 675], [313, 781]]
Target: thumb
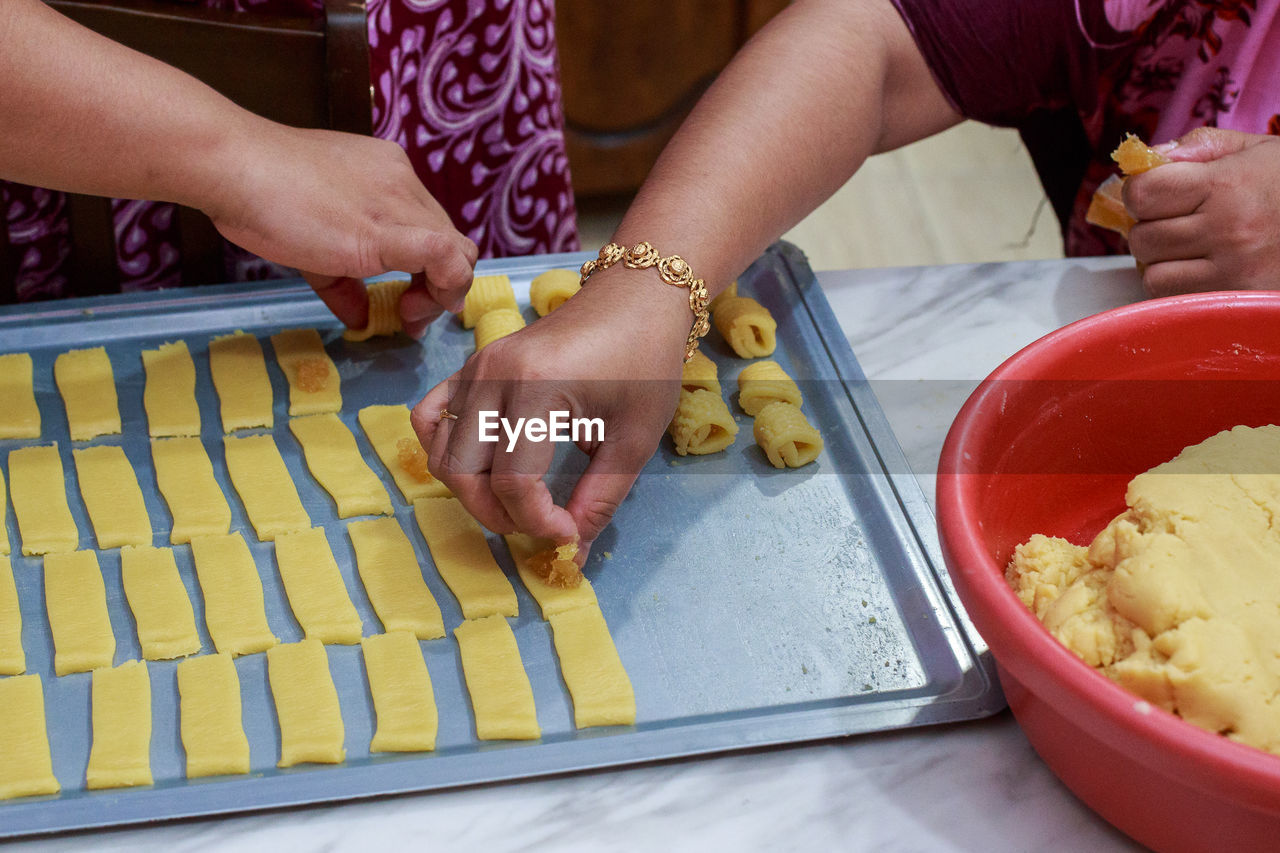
[[603, 486], [1208, 143], [346, 297]]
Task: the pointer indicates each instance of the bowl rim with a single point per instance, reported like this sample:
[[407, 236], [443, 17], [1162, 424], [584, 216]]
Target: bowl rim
[[1045, 666]]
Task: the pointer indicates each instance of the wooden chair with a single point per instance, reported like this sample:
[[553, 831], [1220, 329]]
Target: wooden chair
[[305, 72]]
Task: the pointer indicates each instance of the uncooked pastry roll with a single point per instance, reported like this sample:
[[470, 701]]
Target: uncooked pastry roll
[[700, 372], [384, 310], [728, 293], [786, 437], [550, 290], [487, 293], [497, 324], [702, 423], [747, 326], [763, 383]]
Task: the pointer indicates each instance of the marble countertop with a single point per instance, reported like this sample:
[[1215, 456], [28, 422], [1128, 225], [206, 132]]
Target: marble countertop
[[925, 336]]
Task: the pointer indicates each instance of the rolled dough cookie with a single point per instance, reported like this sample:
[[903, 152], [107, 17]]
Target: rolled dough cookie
[[4, 512], [195, 500], [786, 436], [12, 659], [390, 431], [487, 293], [313, 377], [700, 372], [402, 695], [88, 390], [112, 496], [260, 477], [551, 599], [593, 672], [306, 704], [234, 610], [27, 769], [76, 600], [121, 752], [317, 595], [240, 378], [500, 693], [335, 461], [166, 622], [40, 501], [551, 289], [463, 558], [170, 393], [393, 580], [212, 731], [384, 310], [19, 414], [765, 382], [746, 325]]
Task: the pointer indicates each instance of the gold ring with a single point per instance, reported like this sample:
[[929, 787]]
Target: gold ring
[[445, 413]]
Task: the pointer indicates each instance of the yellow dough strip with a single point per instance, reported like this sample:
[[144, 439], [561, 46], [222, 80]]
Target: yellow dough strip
[[335, 461], [551, 599], [496, 681], [40, 501], [593, 672], [27, 769], [390, 431], [4, 512], [13, 661], [195, 500], [19, 414], [317, 595], [463, 558], [112, 496], [393, 580], [233, 604], [211, 727], [88, 389], [163, 613], [314, 387], [121, 752], [306, 702], [240, 377], [261, 479], [402, 694], [170, 392], [76, 600]]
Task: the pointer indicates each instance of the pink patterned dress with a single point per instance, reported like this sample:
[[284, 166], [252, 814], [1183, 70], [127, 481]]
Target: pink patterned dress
[[1075, 75], [469, 88]]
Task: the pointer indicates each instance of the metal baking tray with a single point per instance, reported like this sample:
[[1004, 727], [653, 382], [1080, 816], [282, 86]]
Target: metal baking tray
[[750, 606]]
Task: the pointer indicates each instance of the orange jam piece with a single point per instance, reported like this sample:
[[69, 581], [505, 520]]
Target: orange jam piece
[[413, 459], [556, 566], [313, 373], [1136, 157]]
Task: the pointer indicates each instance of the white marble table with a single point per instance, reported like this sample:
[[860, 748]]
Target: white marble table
[[925, 336]]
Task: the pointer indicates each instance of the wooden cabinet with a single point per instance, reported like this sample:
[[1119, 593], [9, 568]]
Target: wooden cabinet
[[632, 71]]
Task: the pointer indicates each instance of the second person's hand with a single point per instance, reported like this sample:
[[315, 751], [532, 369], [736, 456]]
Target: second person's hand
[[343, 208]]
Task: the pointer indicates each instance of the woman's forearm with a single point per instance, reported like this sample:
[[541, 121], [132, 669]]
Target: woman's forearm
[[72, 101], [824, 86]]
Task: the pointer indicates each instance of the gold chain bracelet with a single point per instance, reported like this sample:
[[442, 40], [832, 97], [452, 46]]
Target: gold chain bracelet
[[673, 270]]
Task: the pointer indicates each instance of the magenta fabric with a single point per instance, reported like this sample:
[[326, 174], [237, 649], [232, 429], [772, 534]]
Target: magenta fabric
[[469, 88], [1075, 75]]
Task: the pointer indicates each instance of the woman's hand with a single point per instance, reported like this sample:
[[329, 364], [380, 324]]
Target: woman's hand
[[341, 207], [1211, 219], [614, 351]]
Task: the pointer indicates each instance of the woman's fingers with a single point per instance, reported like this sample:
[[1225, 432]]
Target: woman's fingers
[[603, 486], [516, 481], [1178, 239], [1177, 189], [1182, 276], [425, 417]]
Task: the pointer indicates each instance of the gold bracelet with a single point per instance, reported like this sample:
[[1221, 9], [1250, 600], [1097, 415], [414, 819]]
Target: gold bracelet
[[673, 270]]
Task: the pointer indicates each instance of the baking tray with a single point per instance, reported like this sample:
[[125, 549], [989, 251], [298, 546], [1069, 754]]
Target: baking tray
[[750, 606]]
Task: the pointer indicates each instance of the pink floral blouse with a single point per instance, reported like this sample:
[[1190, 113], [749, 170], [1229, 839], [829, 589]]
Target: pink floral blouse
[[1075, 75]]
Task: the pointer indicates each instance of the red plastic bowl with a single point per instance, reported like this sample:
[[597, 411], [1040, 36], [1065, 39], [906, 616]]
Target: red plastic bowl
[[1046, 445]]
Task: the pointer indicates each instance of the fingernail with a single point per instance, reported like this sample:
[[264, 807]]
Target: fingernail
[[1165, 147]]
